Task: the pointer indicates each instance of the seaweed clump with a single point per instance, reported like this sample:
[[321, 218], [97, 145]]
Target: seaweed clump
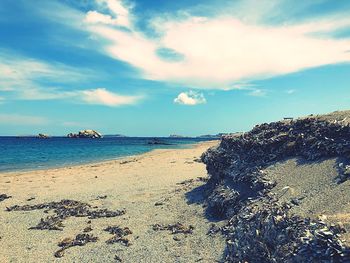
[[119, 235], [176, 228], [63, 210], [79, 240]]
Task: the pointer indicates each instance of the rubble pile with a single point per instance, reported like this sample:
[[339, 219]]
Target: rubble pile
[[63, 210], [260, 228]]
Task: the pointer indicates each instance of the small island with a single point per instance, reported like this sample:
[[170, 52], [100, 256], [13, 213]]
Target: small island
[[43, 136], [92, 134]]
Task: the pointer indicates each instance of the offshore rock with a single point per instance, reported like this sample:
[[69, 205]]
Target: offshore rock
[[85, 134], [43, 136]]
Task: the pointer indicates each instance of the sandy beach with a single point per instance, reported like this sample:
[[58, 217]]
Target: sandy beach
[[159, 187]]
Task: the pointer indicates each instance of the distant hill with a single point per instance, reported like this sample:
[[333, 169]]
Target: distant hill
[[177, 136], [214, 136]]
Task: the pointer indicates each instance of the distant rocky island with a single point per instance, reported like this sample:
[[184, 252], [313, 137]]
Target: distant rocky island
[[43, 136], [214, 136], [92, 134]]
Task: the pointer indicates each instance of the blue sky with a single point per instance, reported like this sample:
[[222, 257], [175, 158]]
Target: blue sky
[[154, 68]]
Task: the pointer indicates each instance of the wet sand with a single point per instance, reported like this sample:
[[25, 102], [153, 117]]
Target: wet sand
[[149, 187]]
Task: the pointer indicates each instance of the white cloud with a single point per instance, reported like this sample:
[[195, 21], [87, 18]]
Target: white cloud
[[222, 50], [257, 93], [24, 76], [16, 119], [104, 97], [22, 79], [121, 14], [95, 17], [190, 98], [290, 91]]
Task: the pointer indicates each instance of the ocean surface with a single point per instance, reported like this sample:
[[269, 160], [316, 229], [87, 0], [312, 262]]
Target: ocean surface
[[29, 153]]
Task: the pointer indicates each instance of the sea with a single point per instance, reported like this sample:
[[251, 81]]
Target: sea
[[31, 153]]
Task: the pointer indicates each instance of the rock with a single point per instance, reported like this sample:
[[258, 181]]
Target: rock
[[85, 134], [117, 258], [43, 136], [344, 172], [4, 197], [214, 229], [176, 238]]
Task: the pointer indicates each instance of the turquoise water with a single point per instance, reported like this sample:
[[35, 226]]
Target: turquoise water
[[29, 153]]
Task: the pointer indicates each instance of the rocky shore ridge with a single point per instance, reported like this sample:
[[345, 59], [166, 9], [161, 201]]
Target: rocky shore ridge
[[260, 228]]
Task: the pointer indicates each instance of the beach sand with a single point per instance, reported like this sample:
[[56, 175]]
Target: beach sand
[[135, 184]]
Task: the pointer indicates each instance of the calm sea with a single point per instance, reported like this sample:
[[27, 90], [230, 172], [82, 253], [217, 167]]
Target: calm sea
[[28, 153]]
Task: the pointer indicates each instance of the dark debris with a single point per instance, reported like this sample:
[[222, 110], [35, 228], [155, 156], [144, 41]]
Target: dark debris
[[174, 228], [63, 210], [79, 240], [4, 197], [119, 235]]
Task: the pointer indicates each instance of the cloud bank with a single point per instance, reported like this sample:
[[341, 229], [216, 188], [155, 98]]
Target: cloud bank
[[221, 50]]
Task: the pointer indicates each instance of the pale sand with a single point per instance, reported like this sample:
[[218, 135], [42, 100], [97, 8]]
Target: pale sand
[[314, 183], [135, 186]]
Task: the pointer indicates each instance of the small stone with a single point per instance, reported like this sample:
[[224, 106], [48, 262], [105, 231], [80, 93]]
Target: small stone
[[176, 238]]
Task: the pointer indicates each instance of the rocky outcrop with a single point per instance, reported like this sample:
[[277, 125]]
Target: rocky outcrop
[[43, 136], [260, 229], [85, 134]]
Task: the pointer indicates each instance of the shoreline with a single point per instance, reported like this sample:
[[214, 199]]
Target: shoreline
[[114, 159], [157, 189]]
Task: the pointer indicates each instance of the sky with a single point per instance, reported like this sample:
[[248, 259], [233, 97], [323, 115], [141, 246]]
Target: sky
[[155, 67]]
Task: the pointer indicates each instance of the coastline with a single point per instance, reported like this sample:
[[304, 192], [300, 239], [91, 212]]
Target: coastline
[[97, 162], [158, 187]]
